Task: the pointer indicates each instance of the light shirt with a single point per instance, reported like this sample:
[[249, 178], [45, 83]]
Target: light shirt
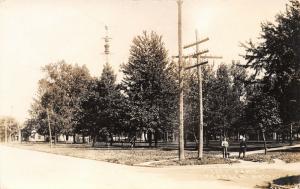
[[225, 144]]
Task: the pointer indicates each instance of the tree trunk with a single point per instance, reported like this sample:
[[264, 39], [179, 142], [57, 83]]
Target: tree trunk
[[265, 143], [291, 134], [74, 138], [196, 141], [167, 137], [150, 138], [55, 138], [94, 137], [156, 138], [185, 139], [83, 139], [207, 138], [111, 139]]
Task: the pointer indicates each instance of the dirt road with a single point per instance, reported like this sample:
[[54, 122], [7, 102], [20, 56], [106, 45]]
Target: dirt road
[[22, 169]]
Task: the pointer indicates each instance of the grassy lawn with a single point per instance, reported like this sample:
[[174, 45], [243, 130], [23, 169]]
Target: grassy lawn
[[119, 155], [289, 156], [207, 159], [167, 157]]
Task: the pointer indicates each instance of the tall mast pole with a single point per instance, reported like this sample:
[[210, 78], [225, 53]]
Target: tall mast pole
[[199, 56], [199, 70], [181, 129], [106, 45]]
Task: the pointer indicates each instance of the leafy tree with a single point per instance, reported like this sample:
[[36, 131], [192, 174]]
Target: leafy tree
[[191, 105], [239, 95], [262, 113], [88, 114], [11, 125], [59, 92], [101, 111], [276, 61], [191, 100], [225, 100], [111, 100], [223, 93], [149, 85]]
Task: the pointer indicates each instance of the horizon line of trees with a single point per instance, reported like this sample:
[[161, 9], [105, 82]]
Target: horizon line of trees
[[9, 129], [259, 96]]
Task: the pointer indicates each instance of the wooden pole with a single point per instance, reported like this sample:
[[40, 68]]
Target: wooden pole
[[19, 134], [50, 135], [181, 130], [5, 131], [199, 70]]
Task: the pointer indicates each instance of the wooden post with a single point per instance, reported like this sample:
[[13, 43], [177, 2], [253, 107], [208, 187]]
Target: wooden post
[[50, 136], [5, 132], [199, 70], [19, 135], [291, 133], [181, 130]]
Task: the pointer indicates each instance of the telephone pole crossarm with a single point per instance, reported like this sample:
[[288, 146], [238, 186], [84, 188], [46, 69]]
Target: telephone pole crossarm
[[196, 43], [196, 65], [194, 55], [212, 57], [198, 55]]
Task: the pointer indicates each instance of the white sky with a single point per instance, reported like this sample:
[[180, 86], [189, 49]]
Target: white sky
[[34, 33]]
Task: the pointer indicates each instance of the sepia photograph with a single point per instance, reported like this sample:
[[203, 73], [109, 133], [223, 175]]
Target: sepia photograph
[[149, 94]]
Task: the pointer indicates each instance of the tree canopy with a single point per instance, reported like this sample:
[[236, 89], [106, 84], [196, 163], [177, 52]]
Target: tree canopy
[[276, 61], [149, 84]]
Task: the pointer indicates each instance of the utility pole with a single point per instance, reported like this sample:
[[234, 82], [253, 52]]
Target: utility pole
[[50, 135], [5, 131], [198, 56], [199, 71], [20, 134], [181, 128], [180, 66]]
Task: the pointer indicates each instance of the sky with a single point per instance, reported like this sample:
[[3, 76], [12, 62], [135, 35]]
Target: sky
[[34, 33]]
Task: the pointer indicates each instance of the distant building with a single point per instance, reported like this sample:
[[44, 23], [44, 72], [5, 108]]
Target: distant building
[[36, 137]]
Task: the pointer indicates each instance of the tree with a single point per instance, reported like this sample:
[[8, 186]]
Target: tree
[[101, 112], [262, 113], [239, 95], [149, 86], [275, 61], [9, 127], [225, 99], [59, 92], [191, 106], [111, 100], [88, 116], [223, 93]]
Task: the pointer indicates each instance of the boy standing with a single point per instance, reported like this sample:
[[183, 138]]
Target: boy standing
[[243, 147]]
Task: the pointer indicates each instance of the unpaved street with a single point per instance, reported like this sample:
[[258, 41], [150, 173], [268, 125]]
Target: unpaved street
[[22, 169]]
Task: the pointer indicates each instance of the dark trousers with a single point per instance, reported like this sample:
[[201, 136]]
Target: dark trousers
[[225, 153], [242, 150]]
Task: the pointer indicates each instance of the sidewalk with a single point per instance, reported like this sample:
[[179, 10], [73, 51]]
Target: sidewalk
[[262, 151], [150, 163]]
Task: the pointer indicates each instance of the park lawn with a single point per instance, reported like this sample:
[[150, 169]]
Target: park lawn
[[126, 156], [207, 159], [289, 156]]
